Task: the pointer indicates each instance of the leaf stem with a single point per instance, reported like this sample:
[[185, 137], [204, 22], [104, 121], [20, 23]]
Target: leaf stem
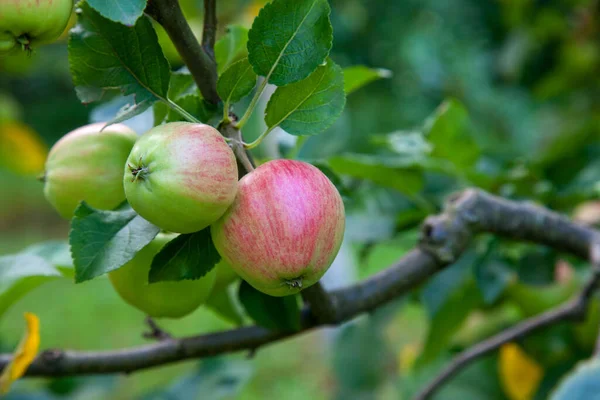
[[181, 111], [252, 105], [258, 140]]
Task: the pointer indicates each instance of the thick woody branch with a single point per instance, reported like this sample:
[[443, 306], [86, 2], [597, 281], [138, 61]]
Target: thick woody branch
[[444, 238], [201, 64], [209, 31]]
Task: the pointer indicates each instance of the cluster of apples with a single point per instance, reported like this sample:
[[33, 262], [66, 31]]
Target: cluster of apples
[[279, 227]]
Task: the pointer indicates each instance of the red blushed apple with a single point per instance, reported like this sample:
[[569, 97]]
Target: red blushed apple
[[284, 228], [181, 176]]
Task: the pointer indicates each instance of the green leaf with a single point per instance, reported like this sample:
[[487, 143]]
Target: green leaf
[[412, 146], [357, 76], [102, 241], [217, 378], [492, 278], [125, 12], [20, 274], [189, 256], [196, 106], [236, 82], [388, 172], [310, 106], [387, 252], [276, 313], [289, 39], [449, 298], [231, 46], [106, 55], [55, 252], [222, 302], [449, 131], [582, 384], [181, 84]]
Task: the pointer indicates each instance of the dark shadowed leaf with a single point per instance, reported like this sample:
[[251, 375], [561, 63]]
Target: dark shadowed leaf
[[106, 55], [217, 378], [276, 313], [289, 39], [102, 241], [310, 106], [449, 298], [189, 256]]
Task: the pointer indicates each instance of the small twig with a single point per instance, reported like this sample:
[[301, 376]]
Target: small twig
[[209, 31], [244, 158], [201, 64], [574, 310], [156, 332]]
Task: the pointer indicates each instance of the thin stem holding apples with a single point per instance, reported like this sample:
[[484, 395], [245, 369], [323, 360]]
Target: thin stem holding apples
[[182, 112], [258, 140]]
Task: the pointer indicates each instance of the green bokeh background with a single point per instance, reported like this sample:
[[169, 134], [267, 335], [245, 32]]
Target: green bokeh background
[[528, 72]]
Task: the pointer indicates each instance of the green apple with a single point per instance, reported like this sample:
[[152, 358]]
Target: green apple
[[28, 23], [181, 176], [161, 299], [87, 164]]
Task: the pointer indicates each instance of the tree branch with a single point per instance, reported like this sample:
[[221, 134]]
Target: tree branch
[[321, 304], [209, 31], [244, 158], [574, 310], [201, 64], [444, 238]]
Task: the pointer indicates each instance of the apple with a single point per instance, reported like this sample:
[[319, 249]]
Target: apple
[[284, 228], [225, 276], [87, 164], [28, 23], [181, 176], [161, 299]]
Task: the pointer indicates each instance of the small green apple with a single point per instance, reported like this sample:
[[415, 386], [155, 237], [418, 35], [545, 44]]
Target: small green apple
[[161, 299], [28, 23], [87, 164]]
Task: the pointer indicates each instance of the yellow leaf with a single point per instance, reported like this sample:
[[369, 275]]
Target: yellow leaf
[[520, 374], [407, 357], [21, 149], [24, 355]]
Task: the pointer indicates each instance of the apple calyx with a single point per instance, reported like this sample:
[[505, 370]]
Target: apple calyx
[[138, 172], [294, 283]]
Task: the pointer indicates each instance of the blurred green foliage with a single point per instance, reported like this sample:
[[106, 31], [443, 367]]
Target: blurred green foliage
[[502, 95]]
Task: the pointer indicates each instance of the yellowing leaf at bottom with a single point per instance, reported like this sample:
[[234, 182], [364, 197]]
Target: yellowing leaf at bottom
[[24, 355], [520, 374]]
